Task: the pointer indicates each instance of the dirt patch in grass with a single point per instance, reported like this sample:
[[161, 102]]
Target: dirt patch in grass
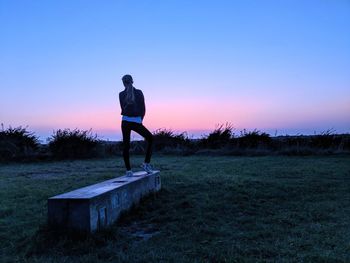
[[142, 231]]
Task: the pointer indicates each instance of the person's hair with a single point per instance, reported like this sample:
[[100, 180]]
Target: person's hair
[[130, 93]]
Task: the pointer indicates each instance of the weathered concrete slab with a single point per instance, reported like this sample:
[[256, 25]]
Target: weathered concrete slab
[[97, 206]]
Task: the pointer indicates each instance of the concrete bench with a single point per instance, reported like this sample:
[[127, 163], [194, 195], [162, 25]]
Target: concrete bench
[[96, 206]]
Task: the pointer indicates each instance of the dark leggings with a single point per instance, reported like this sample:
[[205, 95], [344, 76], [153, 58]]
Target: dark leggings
[[127, 127]]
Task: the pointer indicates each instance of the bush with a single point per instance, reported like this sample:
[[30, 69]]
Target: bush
[[112, 148], [164, 138], [73, 144], [17, 143], [344, 142], [220, 137], [325, 140], [254, 139]]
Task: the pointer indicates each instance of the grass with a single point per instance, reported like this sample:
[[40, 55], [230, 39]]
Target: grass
[[210, 209]]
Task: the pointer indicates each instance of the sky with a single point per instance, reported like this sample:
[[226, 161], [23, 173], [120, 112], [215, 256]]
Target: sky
[[277, 66]]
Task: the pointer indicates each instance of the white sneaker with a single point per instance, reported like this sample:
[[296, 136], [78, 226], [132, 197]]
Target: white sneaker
[[128, 173], [147, 167]]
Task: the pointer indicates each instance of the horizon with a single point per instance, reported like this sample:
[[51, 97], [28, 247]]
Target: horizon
[[191, 134], [271, 66]]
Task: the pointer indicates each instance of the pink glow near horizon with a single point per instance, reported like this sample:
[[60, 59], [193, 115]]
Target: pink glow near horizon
[[198, 117]]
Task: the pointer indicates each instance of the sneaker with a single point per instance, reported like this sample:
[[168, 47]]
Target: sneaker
[[128, 173], [147, 167]]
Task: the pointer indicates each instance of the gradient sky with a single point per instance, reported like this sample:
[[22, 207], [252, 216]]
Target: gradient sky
[[272, 65]]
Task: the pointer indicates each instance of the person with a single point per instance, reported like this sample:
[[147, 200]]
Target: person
[[133, 111]]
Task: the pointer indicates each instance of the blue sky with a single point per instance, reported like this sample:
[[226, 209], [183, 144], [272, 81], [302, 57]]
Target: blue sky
[[270, 65]]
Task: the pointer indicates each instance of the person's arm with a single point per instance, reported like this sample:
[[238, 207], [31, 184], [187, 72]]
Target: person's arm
[[143, 106], [120, 101]]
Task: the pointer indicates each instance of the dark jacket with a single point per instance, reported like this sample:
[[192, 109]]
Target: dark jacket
[[133, 109]]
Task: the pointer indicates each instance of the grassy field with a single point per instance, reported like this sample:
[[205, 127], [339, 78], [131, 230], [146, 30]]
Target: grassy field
[[211, 209]]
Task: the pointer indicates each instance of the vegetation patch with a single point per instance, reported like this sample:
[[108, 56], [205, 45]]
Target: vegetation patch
[[73, 144], [17, 144], [168, 141], [220, 137]]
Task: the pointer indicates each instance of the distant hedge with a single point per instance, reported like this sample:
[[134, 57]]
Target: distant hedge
[[19, 144]]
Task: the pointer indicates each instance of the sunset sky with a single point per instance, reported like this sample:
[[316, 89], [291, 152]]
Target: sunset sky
[[272, 65]]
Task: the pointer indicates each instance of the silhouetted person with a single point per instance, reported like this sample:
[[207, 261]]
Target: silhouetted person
[[133, 108]]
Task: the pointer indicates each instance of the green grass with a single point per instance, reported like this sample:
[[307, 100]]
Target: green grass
[[210, 209]]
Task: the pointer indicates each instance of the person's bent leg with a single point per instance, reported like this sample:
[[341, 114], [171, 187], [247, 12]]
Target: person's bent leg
[[149, 140], [145, 133], [126, 130]]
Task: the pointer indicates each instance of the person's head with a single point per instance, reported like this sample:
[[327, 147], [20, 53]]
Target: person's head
[[127, 80]]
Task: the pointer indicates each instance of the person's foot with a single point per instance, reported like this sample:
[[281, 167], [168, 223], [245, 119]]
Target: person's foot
[[128, 173], [147, 167]]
